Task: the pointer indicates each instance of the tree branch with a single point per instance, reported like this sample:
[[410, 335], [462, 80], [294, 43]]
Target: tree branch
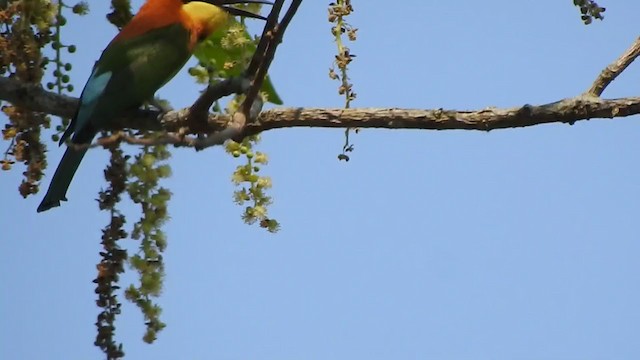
[[266, 50], [565, 111], [36, 98], [612, 71], [176, 123]]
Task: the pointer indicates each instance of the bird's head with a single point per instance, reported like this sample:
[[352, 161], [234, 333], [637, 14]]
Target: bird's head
[[225, 5], [214, 14]]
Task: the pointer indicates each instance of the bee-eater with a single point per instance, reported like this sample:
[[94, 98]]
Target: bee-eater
[[143, 57]]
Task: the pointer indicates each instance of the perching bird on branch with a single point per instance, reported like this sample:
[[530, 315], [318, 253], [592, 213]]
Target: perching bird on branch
[[143, 57]]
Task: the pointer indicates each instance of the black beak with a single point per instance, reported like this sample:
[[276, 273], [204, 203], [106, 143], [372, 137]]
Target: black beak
[[239, 12]]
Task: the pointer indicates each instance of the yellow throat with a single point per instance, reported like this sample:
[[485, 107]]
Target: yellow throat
[[206, 16]]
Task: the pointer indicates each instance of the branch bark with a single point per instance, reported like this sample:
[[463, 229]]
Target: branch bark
[[570, 110], [614, 69], [36, 98]]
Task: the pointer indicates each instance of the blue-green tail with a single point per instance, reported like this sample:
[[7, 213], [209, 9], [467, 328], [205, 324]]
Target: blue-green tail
[[62, 178]]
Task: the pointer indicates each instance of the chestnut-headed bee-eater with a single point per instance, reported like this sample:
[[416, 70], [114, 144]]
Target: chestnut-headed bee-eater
[[143, 57]]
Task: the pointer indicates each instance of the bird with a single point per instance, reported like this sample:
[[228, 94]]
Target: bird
[[141, 58]]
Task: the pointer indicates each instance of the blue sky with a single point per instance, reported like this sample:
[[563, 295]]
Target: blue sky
[[514, 244]]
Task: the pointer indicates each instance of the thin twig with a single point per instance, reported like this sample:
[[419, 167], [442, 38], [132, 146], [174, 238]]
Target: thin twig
[[232, 131], [122, 137], [234, 85], [260, 57], [614, 69], [271, 22], [274, 39]]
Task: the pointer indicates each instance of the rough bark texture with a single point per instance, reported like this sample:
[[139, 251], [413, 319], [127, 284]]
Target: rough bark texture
[[569, 111]]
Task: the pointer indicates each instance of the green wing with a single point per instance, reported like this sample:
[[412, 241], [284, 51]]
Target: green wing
[[128, 73]]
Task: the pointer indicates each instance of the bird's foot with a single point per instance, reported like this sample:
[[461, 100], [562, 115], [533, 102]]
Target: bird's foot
[[160, 104]]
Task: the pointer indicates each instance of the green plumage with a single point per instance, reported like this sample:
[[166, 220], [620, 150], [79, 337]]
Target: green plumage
[[128, 73]]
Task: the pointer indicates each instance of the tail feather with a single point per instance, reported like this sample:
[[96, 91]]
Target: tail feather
[[62, 178]]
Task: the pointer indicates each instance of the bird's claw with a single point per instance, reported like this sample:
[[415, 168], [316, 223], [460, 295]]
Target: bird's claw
[[162, 105]]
